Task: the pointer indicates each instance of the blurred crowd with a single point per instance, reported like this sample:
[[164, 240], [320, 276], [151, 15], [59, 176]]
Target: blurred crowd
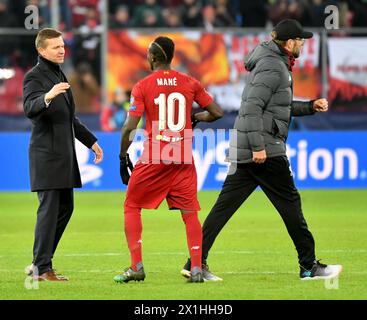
[[184, 13], [80, 20], [209, 14]]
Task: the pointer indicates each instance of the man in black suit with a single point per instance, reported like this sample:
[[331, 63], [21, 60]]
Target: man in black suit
[[54, 171]]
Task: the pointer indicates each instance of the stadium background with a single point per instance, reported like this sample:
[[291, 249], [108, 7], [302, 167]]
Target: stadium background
[[106, 44]]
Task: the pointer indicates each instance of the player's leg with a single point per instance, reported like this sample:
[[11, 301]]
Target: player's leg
[[148, 186], [182, 195], [236, 189], [278, 184], [133, 232], [194, 242]]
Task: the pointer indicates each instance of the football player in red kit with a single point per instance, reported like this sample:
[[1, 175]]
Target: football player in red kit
[[166, 168]]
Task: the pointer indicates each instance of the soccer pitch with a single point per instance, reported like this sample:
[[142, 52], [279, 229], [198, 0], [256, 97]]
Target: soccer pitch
[[253, 254]]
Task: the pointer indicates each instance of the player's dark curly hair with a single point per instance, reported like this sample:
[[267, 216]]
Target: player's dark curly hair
[[163, 49]]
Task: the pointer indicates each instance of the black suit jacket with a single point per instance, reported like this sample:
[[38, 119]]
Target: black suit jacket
[[52, 157]]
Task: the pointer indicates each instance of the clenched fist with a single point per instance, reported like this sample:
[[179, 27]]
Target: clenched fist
[[320, 105]]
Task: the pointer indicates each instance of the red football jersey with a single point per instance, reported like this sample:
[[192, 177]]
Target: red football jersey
[[166, 97]]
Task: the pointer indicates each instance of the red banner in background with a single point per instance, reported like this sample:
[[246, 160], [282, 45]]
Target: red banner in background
[[201, 55], [348, 73], [215, 59], [305, 72]]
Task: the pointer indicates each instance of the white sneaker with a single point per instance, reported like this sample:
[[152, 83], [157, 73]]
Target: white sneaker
[[321, 271], [207, 275], [186, 273]]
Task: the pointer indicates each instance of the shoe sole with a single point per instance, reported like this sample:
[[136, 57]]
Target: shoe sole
[[332, 276], [122, 281], [126, 281], [48, 280], [190, 281]]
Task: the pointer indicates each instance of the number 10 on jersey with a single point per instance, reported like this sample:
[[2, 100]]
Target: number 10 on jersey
[[166, 107]]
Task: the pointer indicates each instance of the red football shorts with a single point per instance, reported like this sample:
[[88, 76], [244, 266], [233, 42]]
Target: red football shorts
[[150, 184]]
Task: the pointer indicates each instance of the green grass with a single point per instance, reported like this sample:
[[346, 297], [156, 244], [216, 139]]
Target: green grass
[[253, 254]]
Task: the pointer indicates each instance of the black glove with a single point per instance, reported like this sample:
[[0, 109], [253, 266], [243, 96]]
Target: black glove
[[125, 164], [194, 122]]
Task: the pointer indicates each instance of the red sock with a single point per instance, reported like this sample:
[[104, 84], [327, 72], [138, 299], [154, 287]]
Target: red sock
[[194, 237], [133, 230]]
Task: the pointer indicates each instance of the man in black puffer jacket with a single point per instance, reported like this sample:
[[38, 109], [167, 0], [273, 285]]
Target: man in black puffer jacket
[[257, 150]]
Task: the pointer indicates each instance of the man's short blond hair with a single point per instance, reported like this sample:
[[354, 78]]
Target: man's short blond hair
[[44, 34]]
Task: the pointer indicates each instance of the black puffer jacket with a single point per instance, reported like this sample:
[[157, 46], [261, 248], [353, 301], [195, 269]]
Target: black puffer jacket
[[267, 105]]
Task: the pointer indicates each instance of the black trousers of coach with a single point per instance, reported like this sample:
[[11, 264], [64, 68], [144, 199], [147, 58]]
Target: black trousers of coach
[[54, 212], [275, 179]]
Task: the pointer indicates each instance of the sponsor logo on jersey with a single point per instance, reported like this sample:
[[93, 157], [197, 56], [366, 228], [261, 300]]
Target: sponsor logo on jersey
[[132, 106]]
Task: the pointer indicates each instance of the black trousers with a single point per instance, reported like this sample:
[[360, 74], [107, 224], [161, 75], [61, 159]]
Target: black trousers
[[275, 179], [54, 212]]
